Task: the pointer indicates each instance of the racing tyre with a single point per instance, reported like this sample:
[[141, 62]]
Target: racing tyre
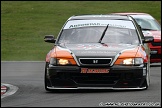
[[45, 78], [147, 80]]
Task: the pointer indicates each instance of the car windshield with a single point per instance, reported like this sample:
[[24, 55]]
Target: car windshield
[[98, 31], [93, 34], [148, 24]]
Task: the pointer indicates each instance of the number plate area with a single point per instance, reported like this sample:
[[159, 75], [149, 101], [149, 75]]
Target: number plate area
[[94, 70]]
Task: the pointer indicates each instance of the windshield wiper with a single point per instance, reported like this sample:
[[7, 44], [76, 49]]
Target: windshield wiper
[[147, 29], [103, 34]]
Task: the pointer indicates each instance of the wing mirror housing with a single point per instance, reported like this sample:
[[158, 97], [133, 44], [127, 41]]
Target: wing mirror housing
[[148, 39], [49, 39]]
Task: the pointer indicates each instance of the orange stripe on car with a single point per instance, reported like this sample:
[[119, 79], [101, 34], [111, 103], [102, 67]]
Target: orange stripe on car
[[133, 53], [62, 54]]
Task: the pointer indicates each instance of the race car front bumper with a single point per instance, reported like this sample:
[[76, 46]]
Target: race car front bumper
[[118, 77]]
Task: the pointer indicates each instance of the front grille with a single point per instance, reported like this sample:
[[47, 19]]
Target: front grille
[[155, 56], [109, 78], [95, 60], [156, 43]]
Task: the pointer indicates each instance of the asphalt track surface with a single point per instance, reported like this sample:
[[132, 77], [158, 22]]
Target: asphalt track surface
[[28, 77]]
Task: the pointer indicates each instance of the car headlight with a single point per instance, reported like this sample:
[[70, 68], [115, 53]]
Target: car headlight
[[138, 61], [132, 61], [128, 61], [63, 62], [54, 61]]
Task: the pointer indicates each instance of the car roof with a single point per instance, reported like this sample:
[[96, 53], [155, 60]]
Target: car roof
[[99, 17], [131, 13], [136, 14]]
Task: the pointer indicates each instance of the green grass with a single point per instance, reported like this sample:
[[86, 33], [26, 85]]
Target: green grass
[[25, 23]]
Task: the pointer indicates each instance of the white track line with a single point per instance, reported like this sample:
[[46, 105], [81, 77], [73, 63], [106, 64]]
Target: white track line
[[11, 90]]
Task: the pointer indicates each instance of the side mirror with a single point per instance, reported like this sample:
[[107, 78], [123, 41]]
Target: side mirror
[[148, 39], [49, 38]]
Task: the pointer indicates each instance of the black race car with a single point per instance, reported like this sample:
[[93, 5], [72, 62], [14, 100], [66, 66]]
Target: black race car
[[98, 52]]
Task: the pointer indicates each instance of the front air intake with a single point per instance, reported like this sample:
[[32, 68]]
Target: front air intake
[[95, 61]]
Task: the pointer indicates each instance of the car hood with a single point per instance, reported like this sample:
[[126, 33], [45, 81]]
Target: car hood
[[98, 50], [93, 51], [155, 34]]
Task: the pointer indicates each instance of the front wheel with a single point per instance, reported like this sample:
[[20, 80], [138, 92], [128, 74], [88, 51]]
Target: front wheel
[[147, 80], [46, 81]]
